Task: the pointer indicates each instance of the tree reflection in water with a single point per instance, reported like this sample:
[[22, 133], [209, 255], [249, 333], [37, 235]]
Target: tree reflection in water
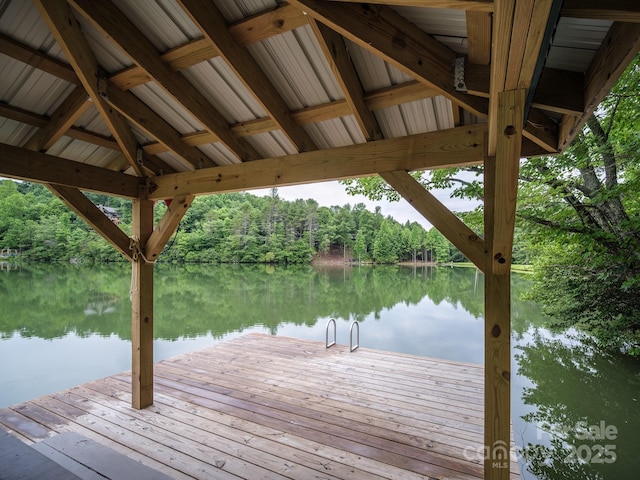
[[585, 408]]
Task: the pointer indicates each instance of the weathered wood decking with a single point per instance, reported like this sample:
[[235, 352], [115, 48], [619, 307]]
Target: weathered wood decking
[[262, 407]]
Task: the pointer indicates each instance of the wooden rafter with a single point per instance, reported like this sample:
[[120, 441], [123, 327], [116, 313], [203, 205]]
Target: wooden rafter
[[85, 209], [334, 49], [614, 10], [381, 30], [455, 147], [124, 33], [618, 49], [66, 29], [23, 164], [214, 27], [468, 242]]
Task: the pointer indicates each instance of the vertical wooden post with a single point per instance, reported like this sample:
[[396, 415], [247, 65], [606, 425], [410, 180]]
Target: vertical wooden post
[[501, 180], [142, 306]]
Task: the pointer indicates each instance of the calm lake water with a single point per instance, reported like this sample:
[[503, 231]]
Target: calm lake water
[[575, 409]]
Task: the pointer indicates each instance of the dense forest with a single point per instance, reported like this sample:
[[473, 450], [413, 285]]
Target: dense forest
[[226, 228]]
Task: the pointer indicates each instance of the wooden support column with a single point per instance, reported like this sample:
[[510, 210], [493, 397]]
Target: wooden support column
[[501, 180], [142, 306]]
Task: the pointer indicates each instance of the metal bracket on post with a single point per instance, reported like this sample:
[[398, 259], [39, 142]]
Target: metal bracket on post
[[458, 75], [331, 320], [353, 347]]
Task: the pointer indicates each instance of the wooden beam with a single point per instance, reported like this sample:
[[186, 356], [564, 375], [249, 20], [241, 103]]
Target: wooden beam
[[438, 215], [381, 30], [247, 31], [16, 162], [395, 95], [510, 115], [462, 146], [85, 209], [37, 59], [617, 51], [207, 17], [477, 5], [71, 40], [141, 306], [478, 37], [501, 37], [497, 346], [613, 10], [167, 225], [123, 32], [61, 120], [542, 131], [335, 51]]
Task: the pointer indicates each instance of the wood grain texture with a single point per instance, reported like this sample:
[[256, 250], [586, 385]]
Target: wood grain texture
[[453, 147], [141, 306], [242, 409], [22, 164], [167, 225]]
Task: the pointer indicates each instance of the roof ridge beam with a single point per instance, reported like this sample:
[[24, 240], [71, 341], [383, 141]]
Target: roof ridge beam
[[475, 5]]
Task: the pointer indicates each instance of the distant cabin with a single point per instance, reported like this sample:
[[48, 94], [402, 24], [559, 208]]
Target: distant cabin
[[111, 213]]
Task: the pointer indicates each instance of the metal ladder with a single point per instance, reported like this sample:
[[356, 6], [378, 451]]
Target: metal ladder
[[352, 347]]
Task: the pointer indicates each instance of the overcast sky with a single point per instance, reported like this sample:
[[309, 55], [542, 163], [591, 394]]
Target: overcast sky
[[332, 193]]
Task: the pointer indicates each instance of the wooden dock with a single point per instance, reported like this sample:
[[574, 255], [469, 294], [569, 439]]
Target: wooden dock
[[264, 407]]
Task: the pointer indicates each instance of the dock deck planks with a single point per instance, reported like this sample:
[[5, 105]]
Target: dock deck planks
[[264, 407]]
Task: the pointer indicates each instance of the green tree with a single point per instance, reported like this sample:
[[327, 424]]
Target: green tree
[[385, 247]]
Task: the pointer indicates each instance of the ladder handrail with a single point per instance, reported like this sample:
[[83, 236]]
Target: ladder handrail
[[351, 346], [331, 320]]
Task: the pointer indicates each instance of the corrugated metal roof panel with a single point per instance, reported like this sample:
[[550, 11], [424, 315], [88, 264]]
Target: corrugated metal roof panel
[[235, 10], [437, 21], [338, 132], [298, 70], [83, 152], [171, 111], [219, 153], [219, 84], [15, 133], [31, 89], [172, 160], [92, 120], [271, 144], [22, 21], [374, 72], [109, 56], [575, 43], [163, 22]]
